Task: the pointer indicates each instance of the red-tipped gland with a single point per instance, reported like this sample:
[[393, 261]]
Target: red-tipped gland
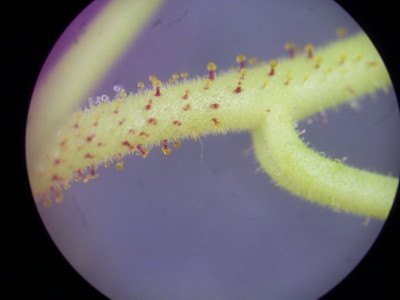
[[148, 106], [238, 88], [241, 58], [92, 172], [177, 123], [142, 151], [89, 156], [152, 121], [165, 148], [217, 122], [211, 67], [129, 145], [157, 84], [214, 106], [56, 190], [145, 134], [186, 95], [80, 175], [58, 193], [57, 178], [272, 64], [309, 49], [291, 49]]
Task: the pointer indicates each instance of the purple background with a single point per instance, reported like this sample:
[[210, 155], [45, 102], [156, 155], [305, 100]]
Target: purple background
[[201, 223]]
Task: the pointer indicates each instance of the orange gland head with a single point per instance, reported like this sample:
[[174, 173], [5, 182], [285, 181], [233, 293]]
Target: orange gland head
[[153, 78], [240, 59], [196, 134], [177, 144], [184, 75], [253, 61], [291, 49], [119, 165], [211, 68], [175, 76], [309, 49], [67, 185], [342, 59], [122, 94]]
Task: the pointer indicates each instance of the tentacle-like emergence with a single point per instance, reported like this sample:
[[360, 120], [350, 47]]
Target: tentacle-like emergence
[[262, 97]]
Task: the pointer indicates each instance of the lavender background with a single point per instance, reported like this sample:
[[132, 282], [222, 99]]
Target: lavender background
[[201, 223]]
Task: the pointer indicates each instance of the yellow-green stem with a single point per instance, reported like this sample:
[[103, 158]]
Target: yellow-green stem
[[253, 99]]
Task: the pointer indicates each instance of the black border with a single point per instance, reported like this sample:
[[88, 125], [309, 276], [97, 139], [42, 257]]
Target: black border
[[32, 267]]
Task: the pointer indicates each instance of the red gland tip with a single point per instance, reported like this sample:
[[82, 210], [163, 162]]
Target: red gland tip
[[241, 58], [272, 64], [291, 49], [309, 48]]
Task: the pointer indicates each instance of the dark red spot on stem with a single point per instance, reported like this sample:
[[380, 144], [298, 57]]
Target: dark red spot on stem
[[214, 106], [177, 123], [90, 138]]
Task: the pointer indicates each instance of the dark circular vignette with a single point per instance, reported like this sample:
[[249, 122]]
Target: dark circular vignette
[[376, 277], [31, 265], [35, 268]]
